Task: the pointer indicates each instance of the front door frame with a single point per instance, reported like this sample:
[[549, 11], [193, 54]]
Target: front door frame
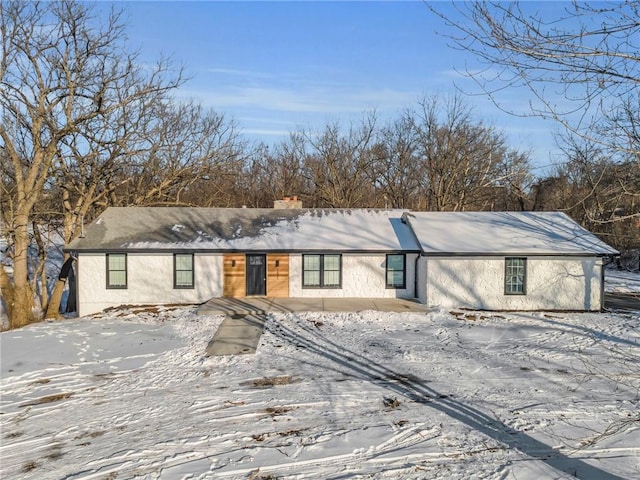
[[256, 275]]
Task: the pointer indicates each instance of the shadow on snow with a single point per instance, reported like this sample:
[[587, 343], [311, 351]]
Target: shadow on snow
[[409, 386]]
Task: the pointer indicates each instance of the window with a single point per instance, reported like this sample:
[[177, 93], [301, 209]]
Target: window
[[116, 270], [321, 271], [515, 275], [183, 270], [395, 271]]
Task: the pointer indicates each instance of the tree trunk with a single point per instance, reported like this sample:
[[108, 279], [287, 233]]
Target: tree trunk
[[6, 288], [41, 270], [72, 215], [53, 308], [21, 311], [44, 288]]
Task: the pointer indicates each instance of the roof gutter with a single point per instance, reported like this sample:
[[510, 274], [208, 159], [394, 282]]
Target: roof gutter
[[234, 250], [415, 277]]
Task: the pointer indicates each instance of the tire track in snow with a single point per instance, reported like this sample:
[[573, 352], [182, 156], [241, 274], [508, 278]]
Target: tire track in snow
[[354, 461], [180, 413]]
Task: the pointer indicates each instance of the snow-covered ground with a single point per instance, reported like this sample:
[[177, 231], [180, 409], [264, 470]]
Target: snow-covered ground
[[455, 395], [622, 281]]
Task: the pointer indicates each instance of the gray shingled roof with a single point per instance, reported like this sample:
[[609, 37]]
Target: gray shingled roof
[[231, 229], [356, 230], [503, 233]]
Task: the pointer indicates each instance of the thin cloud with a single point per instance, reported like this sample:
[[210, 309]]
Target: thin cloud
[[307, 100], [238, 72], [260, 119], [265, 132]]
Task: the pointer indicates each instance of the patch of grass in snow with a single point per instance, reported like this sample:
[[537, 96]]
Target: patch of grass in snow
[[261, 437], [405, 378], [256, 475], [29, 466], [41, 381], [390, 402], [270, 381], [55, 452], [273, 411], [316, 323], [473, 316], [123, 310], [96, 434], [48, 399], [233, 403]]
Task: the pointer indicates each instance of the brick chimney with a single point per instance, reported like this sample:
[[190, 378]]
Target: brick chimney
[[288, 202]]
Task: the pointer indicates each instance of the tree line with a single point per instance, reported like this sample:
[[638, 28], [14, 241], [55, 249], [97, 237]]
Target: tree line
[[84, 128]]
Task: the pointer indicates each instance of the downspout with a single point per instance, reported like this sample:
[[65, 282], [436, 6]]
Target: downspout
[[601, 284], [76, 255], [405, 219], [415, 278]]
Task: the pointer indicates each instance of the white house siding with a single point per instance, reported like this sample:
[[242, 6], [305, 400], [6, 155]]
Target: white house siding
[[552, 283], [363, 276], [149, 281]]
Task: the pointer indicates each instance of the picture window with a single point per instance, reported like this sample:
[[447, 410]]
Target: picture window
[[321, 271]]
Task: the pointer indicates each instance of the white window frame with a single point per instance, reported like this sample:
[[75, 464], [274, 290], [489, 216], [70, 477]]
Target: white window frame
[[515, 276]]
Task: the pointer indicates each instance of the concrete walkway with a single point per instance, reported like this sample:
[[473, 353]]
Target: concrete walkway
[[264, 305], [237, 335], [240, 331]]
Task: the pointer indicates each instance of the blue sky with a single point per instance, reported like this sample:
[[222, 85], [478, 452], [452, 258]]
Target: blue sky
[[276, 67]]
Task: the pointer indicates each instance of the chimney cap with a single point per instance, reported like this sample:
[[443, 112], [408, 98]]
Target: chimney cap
[[288, 202]]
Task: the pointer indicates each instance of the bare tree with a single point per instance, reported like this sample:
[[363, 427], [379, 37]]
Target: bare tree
[[464, 164], [60, 71], [182, 145], [597, 191], [154, 152], [337, 165], [582, 66], [511, 184], [396, 168], [282, 169]]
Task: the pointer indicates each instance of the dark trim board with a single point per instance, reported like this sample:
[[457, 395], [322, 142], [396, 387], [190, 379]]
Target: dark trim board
[[513, 254], [344, 252], [170, 251]]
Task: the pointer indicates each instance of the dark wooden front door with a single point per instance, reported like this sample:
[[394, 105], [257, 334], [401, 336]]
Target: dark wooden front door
[[256, 274]]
